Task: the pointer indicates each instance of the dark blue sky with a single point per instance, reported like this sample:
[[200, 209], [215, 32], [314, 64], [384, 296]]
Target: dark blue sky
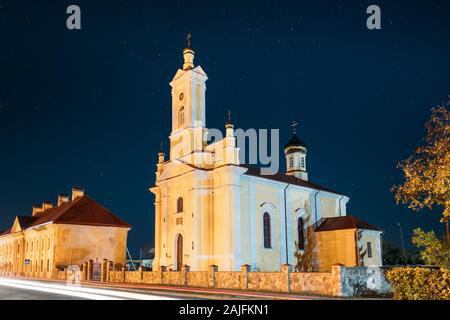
[[89, 107]]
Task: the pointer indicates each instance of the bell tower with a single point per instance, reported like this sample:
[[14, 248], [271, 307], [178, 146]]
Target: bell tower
[[295, 151], [188, 108]]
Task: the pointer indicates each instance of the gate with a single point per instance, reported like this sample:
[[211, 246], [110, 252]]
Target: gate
[[96, 271]]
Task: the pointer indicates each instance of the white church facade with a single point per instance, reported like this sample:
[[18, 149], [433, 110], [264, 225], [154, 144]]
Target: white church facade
[[212, 210]]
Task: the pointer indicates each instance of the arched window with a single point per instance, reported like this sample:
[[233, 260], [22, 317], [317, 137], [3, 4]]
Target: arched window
[[301, 233], [291, 162], [303, 162], [181, 116], [267, 236], [180, 204]]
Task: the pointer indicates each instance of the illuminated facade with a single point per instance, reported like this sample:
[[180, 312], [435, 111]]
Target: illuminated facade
[[54, 237], [212, 210]]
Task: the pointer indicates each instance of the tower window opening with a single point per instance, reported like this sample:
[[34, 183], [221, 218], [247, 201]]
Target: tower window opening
[[181, 116], [179, 204]]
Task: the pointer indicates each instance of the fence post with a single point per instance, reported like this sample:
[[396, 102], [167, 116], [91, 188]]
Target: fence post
[[109, 267], [123, 273], [336, 276], [286, 269], [185, 269], [90, 269], [245, 269], [103, 272], [84, 273], [212, 275], [141, 273]]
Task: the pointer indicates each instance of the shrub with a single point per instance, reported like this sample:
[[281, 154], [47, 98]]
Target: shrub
[[420, 283]]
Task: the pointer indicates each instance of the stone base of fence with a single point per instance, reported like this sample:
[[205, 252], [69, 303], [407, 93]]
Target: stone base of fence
[[341, 281]]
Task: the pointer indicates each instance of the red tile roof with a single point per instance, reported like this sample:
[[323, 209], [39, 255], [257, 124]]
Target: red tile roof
[[81, 211], [345, 222]]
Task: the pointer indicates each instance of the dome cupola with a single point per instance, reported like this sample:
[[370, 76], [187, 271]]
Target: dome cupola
[[295, 151]]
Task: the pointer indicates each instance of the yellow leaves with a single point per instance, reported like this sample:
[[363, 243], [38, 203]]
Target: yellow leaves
[[427, 172], [420, 283], [434, 252]]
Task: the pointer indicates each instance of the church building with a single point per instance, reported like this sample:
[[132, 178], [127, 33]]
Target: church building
[[212, 210]]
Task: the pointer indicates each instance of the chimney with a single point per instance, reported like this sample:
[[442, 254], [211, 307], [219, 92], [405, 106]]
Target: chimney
[[46, 205], [62, 198], [36, 209], [77, 193]]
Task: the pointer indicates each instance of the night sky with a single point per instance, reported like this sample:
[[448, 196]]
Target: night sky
[[90, 107]]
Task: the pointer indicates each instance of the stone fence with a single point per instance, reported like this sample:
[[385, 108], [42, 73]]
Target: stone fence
[[341, 281]]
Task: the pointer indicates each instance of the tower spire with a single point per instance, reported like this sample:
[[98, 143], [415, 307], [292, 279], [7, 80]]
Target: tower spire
[[188, 55]]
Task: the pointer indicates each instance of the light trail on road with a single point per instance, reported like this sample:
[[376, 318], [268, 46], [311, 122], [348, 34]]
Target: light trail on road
[[79, 291]]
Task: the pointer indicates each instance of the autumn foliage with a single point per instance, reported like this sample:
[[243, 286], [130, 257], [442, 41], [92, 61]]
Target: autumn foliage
[[420, 283], [427, 171]]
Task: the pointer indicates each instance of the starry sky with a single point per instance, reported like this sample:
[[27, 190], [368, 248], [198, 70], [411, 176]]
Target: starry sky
[[89, 107]]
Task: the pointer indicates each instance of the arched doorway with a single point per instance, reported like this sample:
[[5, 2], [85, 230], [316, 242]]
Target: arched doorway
[[179, 252]]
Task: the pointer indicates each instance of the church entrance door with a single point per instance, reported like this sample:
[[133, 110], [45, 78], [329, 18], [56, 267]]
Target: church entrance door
[[179, 252]]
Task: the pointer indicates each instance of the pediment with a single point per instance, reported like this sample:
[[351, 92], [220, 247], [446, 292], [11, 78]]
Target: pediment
[[173, 169], [16, 227], [178, 74], [200, 70]]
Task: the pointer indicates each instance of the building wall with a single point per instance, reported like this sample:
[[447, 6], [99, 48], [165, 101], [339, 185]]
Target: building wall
[[222, 219], [336, 247], [36, 244], [76, 244], [374, 237], [56, 246]]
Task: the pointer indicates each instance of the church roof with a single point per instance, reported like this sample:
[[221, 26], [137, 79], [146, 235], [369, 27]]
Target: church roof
[[345, 222], [295, 142], [254, 171], [81, 211]]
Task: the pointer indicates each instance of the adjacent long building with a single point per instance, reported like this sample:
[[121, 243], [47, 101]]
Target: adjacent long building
[[54, 237]]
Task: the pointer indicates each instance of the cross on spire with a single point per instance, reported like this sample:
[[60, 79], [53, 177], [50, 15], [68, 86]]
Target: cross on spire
[[161, 146], [188, 38], [294, 126], [229, 115]]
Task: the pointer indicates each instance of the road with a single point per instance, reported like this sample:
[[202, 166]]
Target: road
[[17, 289], [31, 289]]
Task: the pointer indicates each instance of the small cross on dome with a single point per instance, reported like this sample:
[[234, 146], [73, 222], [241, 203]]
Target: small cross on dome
[[188, 38], [294, 126]]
